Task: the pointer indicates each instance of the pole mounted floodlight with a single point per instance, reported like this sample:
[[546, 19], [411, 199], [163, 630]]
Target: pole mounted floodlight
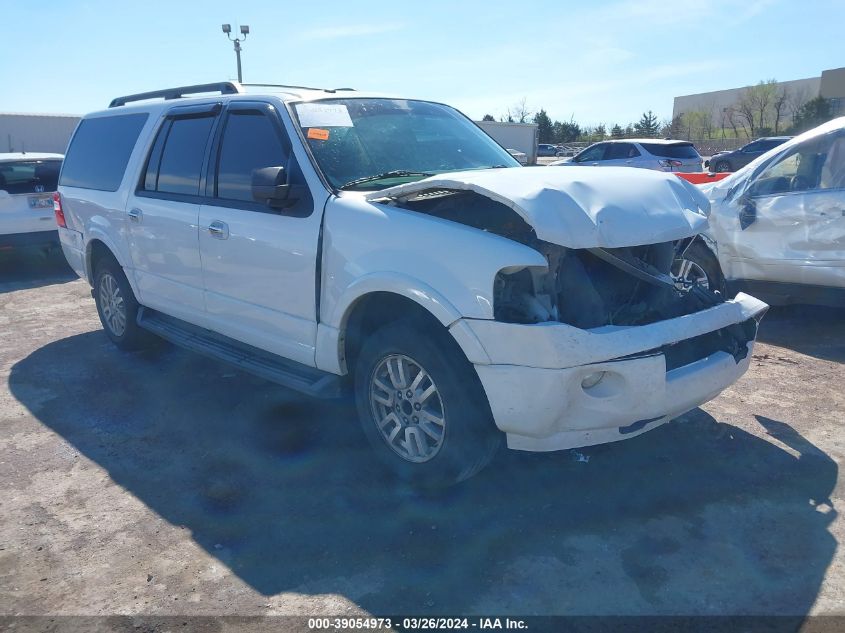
[[227, 29]]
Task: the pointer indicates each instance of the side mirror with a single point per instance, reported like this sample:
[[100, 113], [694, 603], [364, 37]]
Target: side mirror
[[747, 212], [269, 187]]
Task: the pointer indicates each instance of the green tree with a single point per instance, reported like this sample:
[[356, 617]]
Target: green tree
[[813, 113], [545, 127], [566, 131], [488, 117], [616, 131], [648, 125], [600, 132]]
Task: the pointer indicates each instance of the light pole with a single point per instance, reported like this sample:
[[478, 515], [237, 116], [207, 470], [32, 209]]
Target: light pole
[[227, 29]]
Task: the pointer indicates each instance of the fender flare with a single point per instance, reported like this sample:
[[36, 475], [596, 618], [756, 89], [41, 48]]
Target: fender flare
[[330, 333], [94, 233]]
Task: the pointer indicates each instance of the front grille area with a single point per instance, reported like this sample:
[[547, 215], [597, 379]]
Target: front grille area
[[732, 339]]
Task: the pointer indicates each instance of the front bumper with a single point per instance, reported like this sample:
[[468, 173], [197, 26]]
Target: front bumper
[[653, 373]]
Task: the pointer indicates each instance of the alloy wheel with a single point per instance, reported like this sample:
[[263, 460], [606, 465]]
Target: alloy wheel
[[407, 408], [112, 304]]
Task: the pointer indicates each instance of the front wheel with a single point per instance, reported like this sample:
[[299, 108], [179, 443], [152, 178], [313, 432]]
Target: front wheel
[[722, 166], [422, 406], [698, 266]]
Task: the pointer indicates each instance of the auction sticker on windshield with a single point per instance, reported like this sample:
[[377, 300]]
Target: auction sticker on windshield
[[323, 115]]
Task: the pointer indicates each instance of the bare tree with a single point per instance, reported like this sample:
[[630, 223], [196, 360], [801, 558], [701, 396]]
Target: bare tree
[[796, 100], [745, 113], [779, 106], [755, 104], [519, 112]]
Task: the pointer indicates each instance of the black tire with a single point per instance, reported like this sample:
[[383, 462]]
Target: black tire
[[469, 436], [704, 259], [722, 166], [109, 278]]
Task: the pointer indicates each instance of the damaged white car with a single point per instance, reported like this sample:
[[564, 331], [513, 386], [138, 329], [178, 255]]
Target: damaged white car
[[777, 227], [331, 239]]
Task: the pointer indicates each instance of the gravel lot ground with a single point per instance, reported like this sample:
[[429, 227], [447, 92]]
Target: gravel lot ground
[[165, 483]]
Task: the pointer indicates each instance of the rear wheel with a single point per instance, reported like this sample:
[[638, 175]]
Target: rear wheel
[[422, 406], [117, 307]]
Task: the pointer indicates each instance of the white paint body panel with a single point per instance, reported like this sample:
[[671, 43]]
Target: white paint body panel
[[533, 381], [581, 207], [259, 282], [446, 267], [798, 237], [165, 257]]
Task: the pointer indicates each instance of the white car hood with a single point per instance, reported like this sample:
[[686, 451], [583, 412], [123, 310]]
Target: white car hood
[[583, 207]]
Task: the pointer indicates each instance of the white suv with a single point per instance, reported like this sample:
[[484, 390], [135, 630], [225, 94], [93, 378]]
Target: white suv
[[327, 239], [27, 184], [645, 153]]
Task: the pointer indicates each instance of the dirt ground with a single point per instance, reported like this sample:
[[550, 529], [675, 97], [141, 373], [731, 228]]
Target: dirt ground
[[164, 483]]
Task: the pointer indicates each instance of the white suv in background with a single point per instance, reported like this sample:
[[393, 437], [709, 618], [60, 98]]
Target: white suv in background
[[331, 240], [645, 153], [27, 184]]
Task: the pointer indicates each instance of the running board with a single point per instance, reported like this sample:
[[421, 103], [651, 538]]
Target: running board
[[308, 380]]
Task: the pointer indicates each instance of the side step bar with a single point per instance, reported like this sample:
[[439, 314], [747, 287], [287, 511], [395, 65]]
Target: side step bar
[[308, 380]]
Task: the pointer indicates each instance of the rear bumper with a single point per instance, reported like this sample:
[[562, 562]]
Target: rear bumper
[[34, 239], [74, 250], [652, 373]]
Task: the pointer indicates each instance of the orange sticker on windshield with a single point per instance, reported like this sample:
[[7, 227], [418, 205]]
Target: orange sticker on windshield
[[317, 133]]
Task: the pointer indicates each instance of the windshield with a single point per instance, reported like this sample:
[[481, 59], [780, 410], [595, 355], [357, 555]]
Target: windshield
[[371, 144]]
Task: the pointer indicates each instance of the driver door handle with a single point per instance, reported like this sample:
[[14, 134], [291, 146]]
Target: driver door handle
[[219, 230], [135, 215]]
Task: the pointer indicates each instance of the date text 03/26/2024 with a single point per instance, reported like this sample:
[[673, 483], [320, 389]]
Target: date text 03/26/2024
[[415, 624]]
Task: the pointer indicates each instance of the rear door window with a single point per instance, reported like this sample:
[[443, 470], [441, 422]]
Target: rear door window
[[29, 176], [100, 150], [183, 155], [620, 151], [677, 150]]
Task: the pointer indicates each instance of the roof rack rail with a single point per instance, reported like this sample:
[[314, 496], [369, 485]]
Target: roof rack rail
[[223, 87], [297, 87]]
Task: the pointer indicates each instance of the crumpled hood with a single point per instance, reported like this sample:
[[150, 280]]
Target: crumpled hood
[[583, 207]]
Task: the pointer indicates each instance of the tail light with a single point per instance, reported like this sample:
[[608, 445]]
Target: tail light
[[57, 209], [670, 163]]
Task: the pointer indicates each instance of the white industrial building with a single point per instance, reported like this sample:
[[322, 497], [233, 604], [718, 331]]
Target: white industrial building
[[830, 85], [21, 132]]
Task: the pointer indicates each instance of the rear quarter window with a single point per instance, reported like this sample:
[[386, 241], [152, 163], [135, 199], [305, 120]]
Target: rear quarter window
[[681, 150], [100, 150]]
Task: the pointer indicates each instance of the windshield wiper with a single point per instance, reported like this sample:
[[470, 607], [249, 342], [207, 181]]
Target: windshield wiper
[[396, 173]]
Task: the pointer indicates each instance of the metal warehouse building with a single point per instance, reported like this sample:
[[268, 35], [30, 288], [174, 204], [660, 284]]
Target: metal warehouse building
[[830, 85], [36, 132]]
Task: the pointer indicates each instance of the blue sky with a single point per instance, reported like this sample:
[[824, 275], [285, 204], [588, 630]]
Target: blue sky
[[599, 62]]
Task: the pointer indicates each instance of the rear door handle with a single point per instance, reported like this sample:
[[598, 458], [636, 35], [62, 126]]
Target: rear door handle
[[219, 230], [135, 215]]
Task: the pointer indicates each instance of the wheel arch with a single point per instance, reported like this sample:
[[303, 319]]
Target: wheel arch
[[99, 246], [369, 305]]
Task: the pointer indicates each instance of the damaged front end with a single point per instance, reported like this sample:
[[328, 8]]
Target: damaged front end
[[600, 343]]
